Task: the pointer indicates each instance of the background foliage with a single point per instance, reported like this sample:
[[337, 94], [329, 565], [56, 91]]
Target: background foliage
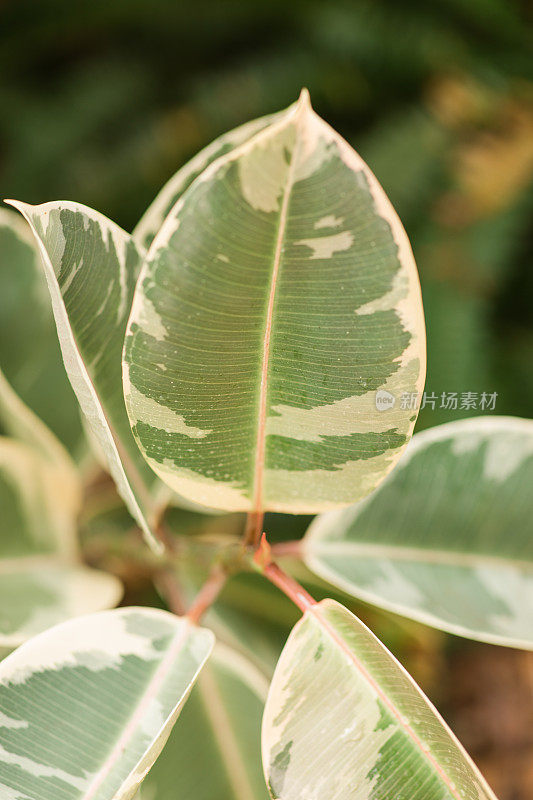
[[101, 102]]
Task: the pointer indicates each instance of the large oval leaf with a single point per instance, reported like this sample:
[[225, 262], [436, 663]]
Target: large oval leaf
[[215, 751], [86, 707], [345, 721], [448, 538], [277, 299], [156, 213], [29, 351], [91, 266]]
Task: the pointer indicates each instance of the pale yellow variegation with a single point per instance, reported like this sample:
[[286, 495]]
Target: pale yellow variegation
[[345, 721], [86, 707], [447, 539], [277, 301], [91, 266], [42, 581]]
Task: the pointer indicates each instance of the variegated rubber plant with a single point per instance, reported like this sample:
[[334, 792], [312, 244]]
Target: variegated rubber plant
[[240, 352]]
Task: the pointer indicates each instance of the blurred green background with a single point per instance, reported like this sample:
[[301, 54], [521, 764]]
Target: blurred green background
[[102, 100]]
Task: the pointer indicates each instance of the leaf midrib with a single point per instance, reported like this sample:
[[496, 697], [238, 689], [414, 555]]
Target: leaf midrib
[[390, 705], [130, 729], [224, 735], [453, 558], [259, 464]]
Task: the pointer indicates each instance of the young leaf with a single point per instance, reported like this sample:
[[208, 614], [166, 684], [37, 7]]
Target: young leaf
[[158, 210], [278, 298], [41, 582], [29, 352], [446, 539], [86, 707], [215, 751], [343, 719], [91, 266]]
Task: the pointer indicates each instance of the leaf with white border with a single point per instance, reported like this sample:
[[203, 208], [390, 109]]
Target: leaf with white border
[[345, 721], [86, 707], [278, 297], [19, 422], [154, 216], [91, 266], [447, 539], [30, 356], [38, 593]]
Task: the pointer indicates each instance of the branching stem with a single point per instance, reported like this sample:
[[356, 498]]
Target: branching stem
[[262, 561], [289, 586]]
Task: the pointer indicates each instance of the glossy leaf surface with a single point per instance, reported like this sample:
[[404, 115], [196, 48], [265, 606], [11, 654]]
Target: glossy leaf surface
[[86, 707], [344, 721], [447, 539], [279, 298], [215, 751]]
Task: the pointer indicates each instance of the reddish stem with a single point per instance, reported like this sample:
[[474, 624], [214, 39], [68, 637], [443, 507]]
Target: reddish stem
[[288, 586], [207, 595]]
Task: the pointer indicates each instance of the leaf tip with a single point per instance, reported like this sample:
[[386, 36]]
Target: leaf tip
[[304, 101], [18, 204]]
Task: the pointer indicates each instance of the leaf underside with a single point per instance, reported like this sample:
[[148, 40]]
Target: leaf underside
[[215, 750], [447, 538], [91, 266]]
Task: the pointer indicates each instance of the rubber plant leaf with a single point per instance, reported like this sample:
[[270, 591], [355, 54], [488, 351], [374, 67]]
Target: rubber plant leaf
[[446, 539], [276, 320], [156, 213], [86, 707], [344, 721], [91, 266], [42, 581], [30, 356], [220, 727]]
